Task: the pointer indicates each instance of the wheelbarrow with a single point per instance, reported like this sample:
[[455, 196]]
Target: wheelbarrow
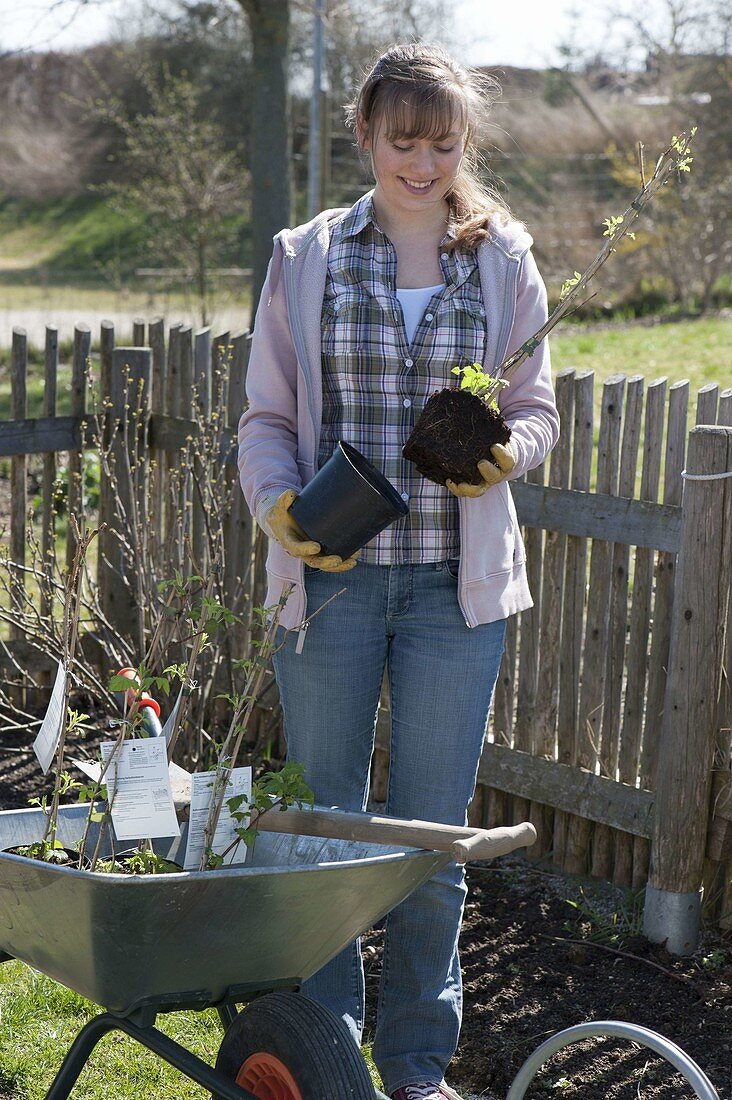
[[248, 933]]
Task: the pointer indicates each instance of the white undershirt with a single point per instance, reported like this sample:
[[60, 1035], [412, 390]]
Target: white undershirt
[[414, 303]]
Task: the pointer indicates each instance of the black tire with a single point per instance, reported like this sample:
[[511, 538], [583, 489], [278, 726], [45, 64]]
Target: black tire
[[313, 1043]]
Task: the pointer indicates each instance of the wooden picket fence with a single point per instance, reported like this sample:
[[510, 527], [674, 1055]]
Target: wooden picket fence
[[587, 703], [150, 397], [610, 728]]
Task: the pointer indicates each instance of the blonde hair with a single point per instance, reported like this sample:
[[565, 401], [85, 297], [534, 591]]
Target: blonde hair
[[418, 91]]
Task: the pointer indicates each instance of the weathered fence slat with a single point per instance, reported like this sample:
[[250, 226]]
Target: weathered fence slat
[[185, 397], [529, 651], [75, 488], [724, 722], [201, 407], [131, 377], [706, 404], [106, 503], [18, 473], [663, 603], [221, 353], [574, 598], [502, 719], [640, 612], [605, 843], [587, 750], [156, 342], [552, 590], [678, 403], [619, 571], [48, 510], [553, 581], [239, 561]]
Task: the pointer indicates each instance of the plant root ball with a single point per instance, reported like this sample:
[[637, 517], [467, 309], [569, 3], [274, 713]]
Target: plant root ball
[[455, 431]]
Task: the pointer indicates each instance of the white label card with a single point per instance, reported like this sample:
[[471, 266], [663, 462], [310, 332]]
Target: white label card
[[49, 734], [138, 786], [240, 782]]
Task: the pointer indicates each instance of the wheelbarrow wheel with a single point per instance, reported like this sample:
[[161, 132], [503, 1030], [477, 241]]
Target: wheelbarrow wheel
[[285, 1046]]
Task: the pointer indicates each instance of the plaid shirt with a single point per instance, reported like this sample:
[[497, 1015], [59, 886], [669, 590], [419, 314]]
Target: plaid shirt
[[375, 384]]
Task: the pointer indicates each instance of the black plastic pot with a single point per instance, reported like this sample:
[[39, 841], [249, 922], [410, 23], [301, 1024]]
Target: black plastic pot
[[347, 503]]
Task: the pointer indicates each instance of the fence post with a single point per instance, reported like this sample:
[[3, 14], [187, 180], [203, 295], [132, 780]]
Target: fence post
[[689, 727], [131, 378]]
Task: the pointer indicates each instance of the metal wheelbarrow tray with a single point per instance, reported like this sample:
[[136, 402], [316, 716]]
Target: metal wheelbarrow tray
[[139, 945], [195, 938]]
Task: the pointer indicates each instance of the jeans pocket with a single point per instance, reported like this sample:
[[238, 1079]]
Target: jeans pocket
[[452, 566]]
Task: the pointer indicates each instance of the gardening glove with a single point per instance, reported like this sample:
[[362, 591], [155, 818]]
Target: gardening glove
[[490, 473], [287, 531]]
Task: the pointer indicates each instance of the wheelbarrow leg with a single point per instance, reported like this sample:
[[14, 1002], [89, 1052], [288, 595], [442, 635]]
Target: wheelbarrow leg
[[78, 1055], [184, 1060], [227, 1015]]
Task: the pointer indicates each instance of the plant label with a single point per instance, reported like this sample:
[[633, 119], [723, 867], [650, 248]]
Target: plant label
[[240, 782], [180, 779], [138, 787], [49, 735]]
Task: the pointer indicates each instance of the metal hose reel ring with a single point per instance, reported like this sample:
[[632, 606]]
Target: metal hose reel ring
[[618, 1029]]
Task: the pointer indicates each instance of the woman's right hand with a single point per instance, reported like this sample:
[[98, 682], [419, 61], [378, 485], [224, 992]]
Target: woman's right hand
[[284, 527]]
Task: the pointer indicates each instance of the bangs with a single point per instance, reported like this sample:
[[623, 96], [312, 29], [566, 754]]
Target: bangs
[[432, 111]]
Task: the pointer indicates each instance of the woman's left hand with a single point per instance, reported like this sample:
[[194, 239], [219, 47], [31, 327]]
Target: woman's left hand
[[489, 471]]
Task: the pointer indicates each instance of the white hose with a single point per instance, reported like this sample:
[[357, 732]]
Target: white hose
[[678, 1058]]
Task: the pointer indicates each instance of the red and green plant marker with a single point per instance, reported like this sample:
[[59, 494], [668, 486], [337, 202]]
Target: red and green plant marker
[[457, 428]]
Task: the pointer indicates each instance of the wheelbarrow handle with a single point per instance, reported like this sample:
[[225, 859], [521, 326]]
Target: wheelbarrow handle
[[462, 842], [489, 843]]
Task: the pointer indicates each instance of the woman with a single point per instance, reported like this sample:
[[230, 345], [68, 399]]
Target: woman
[[364, 313]]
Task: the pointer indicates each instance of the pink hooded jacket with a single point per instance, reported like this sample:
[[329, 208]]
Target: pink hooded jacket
[[280, 430]]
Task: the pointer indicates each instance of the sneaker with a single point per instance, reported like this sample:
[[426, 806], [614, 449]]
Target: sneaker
[[425, 1091]]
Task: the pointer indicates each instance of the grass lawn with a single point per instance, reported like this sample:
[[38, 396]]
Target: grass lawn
[[698, 349], [39, 1019]]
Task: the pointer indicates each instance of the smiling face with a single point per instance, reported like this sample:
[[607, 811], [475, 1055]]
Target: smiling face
[[413, 173], [416, 129]]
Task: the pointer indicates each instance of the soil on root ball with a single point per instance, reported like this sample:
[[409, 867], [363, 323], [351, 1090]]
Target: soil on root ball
[[454, 432], [534, 964]]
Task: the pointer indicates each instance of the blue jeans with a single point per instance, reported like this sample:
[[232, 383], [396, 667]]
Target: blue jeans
[[442, 674]]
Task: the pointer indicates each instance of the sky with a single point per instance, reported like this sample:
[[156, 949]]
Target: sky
[[510, 32]]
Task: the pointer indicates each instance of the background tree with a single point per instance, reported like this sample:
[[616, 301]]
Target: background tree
[[269, 129], [176, 174], [680, 51]]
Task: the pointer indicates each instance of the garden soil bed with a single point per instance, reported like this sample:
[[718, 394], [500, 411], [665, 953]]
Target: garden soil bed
[[534, 964]]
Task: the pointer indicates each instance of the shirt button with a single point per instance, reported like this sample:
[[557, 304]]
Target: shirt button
[[429, 316], [405, 496], [409, 362], [406, 402], [482, 311]]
